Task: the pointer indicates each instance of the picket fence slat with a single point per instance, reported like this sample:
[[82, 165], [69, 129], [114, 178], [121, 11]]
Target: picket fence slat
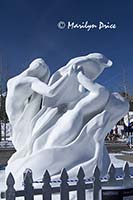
[[126, 180], [81, 185], [28, 185], [97, 185], [46, 188], [64, 187], [112, 174], [10, 192]]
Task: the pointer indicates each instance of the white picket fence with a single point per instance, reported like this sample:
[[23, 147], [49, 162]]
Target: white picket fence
[[106, 188]]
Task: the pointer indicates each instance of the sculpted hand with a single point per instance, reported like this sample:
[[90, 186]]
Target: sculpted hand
[[72, 70], [80, 69]]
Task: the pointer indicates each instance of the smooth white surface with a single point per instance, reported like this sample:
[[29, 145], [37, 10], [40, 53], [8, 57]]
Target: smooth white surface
[[61, 123]]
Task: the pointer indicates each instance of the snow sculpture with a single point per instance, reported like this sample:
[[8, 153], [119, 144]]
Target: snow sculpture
[[61, 122]]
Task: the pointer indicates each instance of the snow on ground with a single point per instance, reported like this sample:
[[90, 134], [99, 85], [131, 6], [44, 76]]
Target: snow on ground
[[119, 162], [6, 144], [127, 152], [6, 128], [2, 180]]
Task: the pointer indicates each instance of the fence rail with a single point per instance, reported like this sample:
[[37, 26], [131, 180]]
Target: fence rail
[[106, 188]]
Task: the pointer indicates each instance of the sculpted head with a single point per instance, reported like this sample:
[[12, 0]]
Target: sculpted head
[[94, 64], [40, 69]]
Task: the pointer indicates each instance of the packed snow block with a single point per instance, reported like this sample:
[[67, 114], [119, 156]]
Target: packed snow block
[[61, 121]]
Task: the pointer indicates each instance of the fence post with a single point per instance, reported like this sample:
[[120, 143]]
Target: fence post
[[126, 178], [112, 175], [64, 187], [46, 188], [97, 192], [81, 185], [10, 192], [28, 187]]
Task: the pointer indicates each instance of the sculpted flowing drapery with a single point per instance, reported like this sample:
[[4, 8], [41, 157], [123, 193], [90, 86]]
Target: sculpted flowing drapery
[[61, 121]]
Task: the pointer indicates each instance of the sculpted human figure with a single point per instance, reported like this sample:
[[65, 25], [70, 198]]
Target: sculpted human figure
[[67, 115], [30, 81]]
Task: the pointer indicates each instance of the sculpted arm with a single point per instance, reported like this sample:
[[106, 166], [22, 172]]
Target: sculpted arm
[[89, 84], [22, 87], [46, 90]]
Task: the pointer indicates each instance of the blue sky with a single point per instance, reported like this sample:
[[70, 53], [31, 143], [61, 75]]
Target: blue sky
[[28, 29]]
